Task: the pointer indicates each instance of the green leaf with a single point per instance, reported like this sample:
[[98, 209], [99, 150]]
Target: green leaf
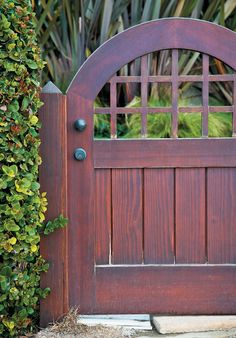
[[9, 324], [3, 184], [30, 310], [4, 22], [45, 292], [10, 171], [32, 64], [33, 119], [13, 106], [4, 285], [6, 271], [106, 17], [25, 103], [23, 186], [3, 297], [10, 225], [22, 314], [59, 222], [35, 186]]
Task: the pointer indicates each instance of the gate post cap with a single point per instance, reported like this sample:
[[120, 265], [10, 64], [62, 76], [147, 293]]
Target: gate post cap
[[51, 88]]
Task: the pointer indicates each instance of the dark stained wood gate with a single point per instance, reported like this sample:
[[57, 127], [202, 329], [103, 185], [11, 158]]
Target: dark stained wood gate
[[152, 221]]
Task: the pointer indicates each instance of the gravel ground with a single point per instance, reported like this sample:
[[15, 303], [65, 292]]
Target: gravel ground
[[70, 328], [95, 332]]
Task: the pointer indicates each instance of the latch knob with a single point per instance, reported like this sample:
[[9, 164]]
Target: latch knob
[[80, 154], [80, 124]]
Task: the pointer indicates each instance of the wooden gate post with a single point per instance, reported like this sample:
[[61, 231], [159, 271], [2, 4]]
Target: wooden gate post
[[53, 180]]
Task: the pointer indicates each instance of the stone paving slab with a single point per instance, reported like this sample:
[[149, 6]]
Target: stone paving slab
[[181, 324], [135, 322], [212, 334]]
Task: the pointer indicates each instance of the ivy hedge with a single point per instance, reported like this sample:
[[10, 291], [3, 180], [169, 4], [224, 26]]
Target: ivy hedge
[[22, 206]]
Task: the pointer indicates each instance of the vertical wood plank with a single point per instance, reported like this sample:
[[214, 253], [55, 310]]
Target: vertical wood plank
[[102, 215], [113, 103], [127, 211], [205, 95], [144, 94], [53, 180], [190, 215], [234, 108], [175, 93], [158, 216], [221, 215], [81, 231]]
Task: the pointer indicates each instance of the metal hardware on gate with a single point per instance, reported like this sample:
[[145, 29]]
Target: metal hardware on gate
[[80, 124], [80, 154]]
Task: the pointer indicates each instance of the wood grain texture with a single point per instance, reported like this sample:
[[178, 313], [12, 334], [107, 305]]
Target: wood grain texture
[[234, 110], [171, 33], [144, 94], [190, 216], [81, 232], [166, 290], [180, 78], [113, 101], [192, 109], [102, 217], [221, 215], [127, 226], [53, 180], [205, 95], [165, 153], [175, 94], [158, 216]]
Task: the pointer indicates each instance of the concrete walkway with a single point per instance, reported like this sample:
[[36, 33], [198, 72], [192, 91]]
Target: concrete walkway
[[206, 334], [214, 326]]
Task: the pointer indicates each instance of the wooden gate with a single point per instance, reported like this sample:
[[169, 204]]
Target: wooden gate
[[152, 221]]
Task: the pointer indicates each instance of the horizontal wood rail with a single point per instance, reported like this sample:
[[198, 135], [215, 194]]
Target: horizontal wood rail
[[168, 78], [156, 110], [196, 290], [171, 153]]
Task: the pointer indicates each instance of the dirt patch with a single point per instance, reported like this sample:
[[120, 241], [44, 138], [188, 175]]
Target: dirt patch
[[69, 327], [94, 332]]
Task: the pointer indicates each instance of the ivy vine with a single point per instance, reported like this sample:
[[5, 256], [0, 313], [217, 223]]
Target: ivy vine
[[22, 206]]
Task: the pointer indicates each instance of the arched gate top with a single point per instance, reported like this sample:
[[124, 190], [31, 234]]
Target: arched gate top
[[171, 33]]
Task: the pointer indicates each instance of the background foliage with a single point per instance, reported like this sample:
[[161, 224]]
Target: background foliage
[[22, 206], [69, 31]]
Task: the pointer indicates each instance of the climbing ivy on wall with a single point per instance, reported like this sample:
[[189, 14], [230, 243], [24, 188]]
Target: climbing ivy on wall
[[22, 206]]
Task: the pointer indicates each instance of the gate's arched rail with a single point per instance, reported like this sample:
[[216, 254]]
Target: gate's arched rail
[[171, 33]]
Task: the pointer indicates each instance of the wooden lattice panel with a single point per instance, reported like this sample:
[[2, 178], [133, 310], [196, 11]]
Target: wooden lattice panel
[[174, 80]]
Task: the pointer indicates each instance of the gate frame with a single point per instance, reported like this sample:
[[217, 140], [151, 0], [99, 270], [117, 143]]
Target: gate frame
[[170, 33], [53, 180]]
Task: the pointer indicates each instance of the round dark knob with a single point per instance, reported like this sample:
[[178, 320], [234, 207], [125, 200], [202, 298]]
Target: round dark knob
[[80, 124], [80, 154]]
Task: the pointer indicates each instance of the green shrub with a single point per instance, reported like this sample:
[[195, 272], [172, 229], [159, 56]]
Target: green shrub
[[22, 206], [189, 124], [159, 125], [69, 31]]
